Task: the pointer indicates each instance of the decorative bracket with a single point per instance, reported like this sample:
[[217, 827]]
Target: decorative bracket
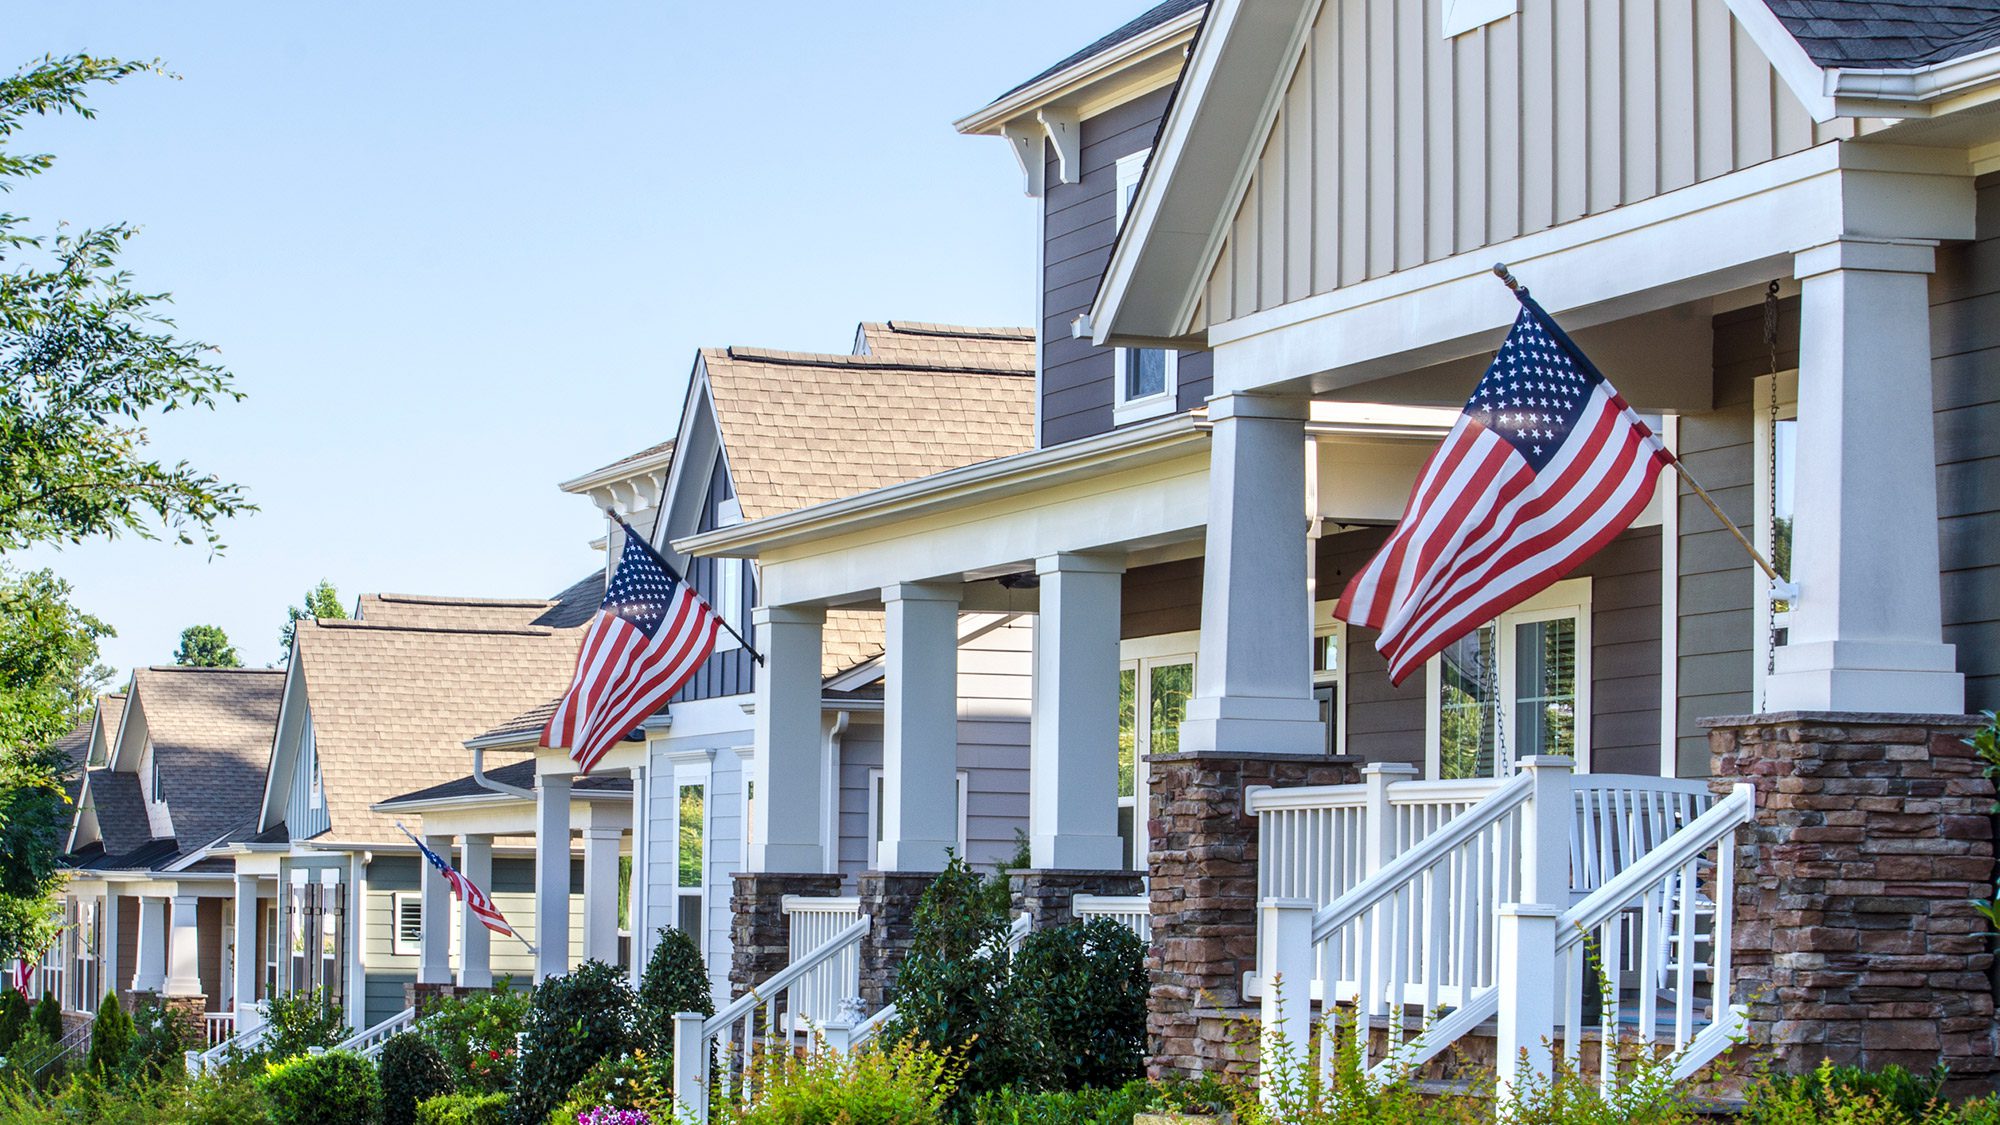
[[1066, 134], [1027, 142]]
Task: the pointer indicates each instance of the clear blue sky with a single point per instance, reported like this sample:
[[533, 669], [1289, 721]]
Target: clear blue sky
[[458, 252]]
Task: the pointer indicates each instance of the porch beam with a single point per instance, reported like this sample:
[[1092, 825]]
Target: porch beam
[[786, 769], [1073, 732], [920, 727]]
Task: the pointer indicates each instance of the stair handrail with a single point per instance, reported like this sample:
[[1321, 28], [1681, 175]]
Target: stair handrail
[[784, 978], [200, 1061], [368, 1042], [1598, 907]]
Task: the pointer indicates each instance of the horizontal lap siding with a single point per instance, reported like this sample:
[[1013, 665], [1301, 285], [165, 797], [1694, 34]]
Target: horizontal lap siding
[[1159, 599], [1394, 146], [1079, 225], [1965, 387]]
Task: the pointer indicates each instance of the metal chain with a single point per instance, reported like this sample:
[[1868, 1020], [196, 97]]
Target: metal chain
[[1771, 476], [1500, 752]]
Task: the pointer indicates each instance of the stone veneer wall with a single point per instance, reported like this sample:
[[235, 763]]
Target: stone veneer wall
[[425, 996], [1045, 894], [760, 932], [1855, 939], [889, 899], [1203, 868]]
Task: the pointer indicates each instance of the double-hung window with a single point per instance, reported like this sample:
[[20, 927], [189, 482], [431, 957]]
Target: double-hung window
[[1515, 687], [1155, 682], [1147, 377], [691, 852]]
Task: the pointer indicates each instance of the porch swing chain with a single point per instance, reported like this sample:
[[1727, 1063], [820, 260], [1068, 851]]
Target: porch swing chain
[[1771, 483]]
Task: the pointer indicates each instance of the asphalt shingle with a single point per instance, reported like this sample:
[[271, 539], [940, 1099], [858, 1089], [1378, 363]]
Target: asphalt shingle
[[1889, 34], [211, 730]]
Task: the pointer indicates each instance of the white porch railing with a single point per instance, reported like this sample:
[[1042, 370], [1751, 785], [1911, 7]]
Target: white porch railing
[[1134, 912], [368, 1043], [200, 1061], [834, 979], [220, 1026]]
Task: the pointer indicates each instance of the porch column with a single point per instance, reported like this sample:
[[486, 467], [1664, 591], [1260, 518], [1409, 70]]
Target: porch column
[[920, 727], [1073, 739], [1866, 629], [184, 950], [600, 892], [475, 941], [786, 834], [434, 942], [243, 964], [152, 969], [551, 876], [111, 978], [635, 897], [1253, 674]]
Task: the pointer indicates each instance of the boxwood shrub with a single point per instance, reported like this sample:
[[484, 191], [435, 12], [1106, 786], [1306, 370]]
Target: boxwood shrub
[[335, 1088], [575, 1020], [411, 1070]]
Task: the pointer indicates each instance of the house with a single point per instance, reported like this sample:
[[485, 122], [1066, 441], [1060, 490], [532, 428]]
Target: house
[[177, 764], [1267, 228], [373, 708]]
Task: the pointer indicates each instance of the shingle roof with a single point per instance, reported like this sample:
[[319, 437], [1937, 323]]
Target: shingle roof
[[74, 747], [121, 812], [211, 730], [904, 341], [576, 603], [1889, 34], [521, 775], [111, 712], [392, 705], [469, 613], [1146, 21], [803, 429]]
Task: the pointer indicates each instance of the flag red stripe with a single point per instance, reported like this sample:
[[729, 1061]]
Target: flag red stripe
[[612, 717]]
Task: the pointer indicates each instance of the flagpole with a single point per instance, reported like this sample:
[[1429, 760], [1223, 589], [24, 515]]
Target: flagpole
[[1520, 291], [719, 619], [511, 931]]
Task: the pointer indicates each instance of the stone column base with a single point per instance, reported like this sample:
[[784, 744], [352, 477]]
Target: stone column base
[[425, 996], [889, 899], [761, 934], [1203, 865], [1045, 895], [1855, 940], [191, 1013]]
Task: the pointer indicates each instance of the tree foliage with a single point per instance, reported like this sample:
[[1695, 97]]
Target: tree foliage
[[676, 980], [110, 1036], [206, 646], [322, 603], [86, 359]]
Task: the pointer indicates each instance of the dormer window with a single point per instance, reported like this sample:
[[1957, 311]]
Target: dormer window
[[315, 790], [1147, 377], [728, 601], [159, 794]]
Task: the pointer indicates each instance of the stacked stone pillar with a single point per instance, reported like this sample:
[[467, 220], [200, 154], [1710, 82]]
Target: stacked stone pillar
[[761, 932], [1203, 867], [1855, 938], [889, 899], [1046, 896]]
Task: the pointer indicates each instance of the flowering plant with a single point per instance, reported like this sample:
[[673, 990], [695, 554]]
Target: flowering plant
[[606, 1115]]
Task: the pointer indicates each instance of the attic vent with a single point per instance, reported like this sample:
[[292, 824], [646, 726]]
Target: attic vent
[[1461, 16]]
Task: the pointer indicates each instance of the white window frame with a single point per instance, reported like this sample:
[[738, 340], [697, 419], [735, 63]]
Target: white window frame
[[406, 947], [1760, 409], [876, 781], [1140, 655], [1461, 16], [1325, 624], [1160, 403], [728, 600], [1568, 598], [693, 768]]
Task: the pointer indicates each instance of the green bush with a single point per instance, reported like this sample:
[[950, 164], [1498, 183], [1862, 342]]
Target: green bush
[[575, 1020], [475, 1035], [299, 1023], [13, 1018], [158, 1040], [48, 1017], [32, 1049], [110, 1036], [949, 990], [1015, 1106], [1890, 1096], [626, 1081], [335, 1088], [411, 1070], [676, 980], [906, 1084], [219, 1100], [463, 1109], [1076, 995]]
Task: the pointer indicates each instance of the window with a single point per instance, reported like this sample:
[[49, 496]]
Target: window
[[1514, 688], [159, 794], [1147, 377], [271, 949], [728, 600], [877, 796], [1330, 674], [315, 790], [1155, 682], [691, 853], [1461, 16], [409, 922], [1776, 456]]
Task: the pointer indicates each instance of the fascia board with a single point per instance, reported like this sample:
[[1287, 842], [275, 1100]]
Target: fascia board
[[989, 118], [1916, 93], [269, 808], [624, 470]]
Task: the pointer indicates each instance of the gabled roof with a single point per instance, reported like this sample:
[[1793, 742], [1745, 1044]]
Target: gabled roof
[[75, 749], [576, 603], [392, 705], [1146, 21], [650, 458], [1889, 34], [800, 428], [903, 341], [472, 613], [211, 732], [104, 729], [115, 801]]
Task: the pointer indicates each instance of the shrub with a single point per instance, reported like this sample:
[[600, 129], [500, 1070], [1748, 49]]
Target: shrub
[[906, 1084], [676, 980], [299, 1023], [1077, 996], [950, 987], [335, 1088], [475, 1035], [48, 1017], [463, 1109], [32, 1050], [13, 1018], [158, 1038], [1891, 1095], [636, 1081], [217, 1100], [410, 1070], [575, 1020], [1015, 1106], [110, 1036]]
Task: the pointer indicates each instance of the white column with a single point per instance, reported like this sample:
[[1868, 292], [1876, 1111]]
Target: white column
[[600, 892], [244, 965], [112, 978], [1866, 629], [184, 950], [1253, 674], [354, 992], [551, 876], [635, 898], [920, 727], [786, 768], [1073, 740], [152, 969], [434, 943], [475, 952]]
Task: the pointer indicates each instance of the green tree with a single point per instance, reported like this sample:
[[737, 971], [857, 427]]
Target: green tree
[[86, 359], [206, 646], [322, 602], [13, 1018], [48, 1016], [675, 981], [110, 1036]]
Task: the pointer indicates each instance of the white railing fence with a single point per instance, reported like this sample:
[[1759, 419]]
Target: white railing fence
[[1134, 912], [368, 1043], [240, 1042], [833, 980], [220, 1026]]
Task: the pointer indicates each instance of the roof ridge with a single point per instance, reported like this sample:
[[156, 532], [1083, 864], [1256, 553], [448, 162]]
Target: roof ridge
[[858, 362], [929, 328], [405, 627], [448, 599], [201, 668]]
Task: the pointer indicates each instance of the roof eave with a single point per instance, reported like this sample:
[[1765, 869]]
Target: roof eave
[[988, 119], [1928, 91], [622, 470]]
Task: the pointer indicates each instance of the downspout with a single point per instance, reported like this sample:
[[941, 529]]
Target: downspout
[[830, 789], [484, 782]]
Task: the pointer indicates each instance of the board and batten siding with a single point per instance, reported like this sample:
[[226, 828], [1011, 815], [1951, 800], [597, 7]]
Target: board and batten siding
[[731, 671], [1080, 222], [1394, 146], [302, 819], [722, 842]]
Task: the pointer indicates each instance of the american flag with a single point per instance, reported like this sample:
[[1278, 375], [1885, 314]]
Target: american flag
[[648, 637], [1546, 464], [465, 890]]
